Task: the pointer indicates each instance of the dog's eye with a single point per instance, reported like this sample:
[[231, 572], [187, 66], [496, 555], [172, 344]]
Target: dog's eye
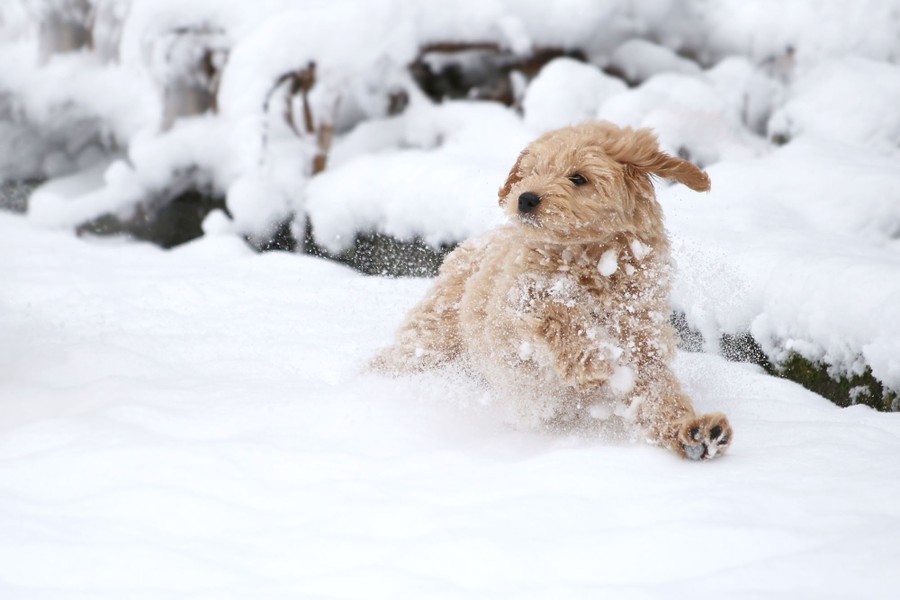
[[577, 179]]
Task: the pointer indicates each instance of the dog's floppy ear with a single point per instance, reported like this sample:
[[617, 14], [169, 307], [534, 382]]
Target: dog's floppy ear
[[640, 149], [514, 177]]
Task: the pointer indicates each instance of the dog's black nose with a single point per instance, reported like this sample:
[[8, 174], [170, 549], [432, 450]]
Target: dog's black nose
[[528, 202]]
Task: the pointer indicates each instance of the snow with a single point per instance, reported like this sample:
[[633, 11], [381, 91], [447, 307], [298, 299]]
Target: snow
[[852, 100], [622, 380], [566, 92], [440, 182], [749, 94], [609, 262], [689, 115], [638, 60], [361, 50], [198, 423], [799, 248], [800, 34]]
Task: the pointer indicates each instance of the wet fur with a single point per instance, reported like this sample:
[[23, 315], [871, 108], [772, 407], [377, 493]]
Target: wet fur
[[567, 307]]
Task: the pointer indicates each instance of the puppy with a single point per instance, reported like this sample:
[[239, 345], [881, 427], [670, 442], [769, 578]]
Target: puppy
[[565, 310]]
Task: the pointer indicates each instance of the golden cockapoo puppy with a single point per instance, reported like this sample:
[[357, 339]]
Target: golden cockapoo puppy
[[565, 310]]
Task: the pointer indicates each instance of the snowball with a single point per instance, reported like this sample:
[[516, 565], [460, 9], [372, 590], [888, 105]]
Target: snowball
[[601, 412], [609, 262], [526, 350], [622, 380], [639, 250]]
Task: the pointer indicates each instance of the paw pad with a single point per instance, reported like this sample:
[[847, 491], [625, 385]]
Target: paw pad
[[705, 437]]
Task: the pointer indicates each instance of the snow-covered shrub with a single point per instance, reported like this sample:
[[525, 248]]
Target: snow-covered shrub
[[566, 92], [689, 115], [797, 35], [749, 94], [637, 60], [63, 105], [852, 100], [798, 248], [437, 177]]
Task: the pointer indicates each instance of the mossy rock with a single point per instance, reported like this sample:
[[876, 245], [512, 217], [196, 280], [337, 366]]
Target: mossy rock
[[843, 390], [167, 224], [815, 376]]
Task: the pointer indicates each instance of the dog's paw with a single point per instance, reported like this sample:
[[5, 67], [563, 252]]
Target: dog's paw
[[704, 437], [584, 369]]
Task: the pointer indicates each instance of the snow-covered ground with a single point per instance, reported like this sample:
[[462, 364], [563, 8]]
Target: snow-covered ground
[[198, 424]]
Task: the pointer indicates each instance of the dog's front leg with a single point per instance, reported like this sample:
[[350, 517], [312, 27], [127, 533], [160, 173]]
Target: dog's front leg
[[667, 417], [580, 352], [430, 335], [428, 338]]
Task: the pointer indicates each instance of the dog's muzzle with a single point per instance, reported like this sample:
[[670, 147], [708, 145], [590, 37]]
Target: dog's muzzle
[[528, 202]]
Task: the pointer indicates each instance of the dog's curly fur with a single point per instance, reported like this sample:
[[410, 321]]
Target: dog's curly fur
[[567, 307]]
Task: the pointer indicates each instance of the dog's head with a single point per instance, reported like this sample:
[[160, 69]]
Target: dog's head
[[585, 183]]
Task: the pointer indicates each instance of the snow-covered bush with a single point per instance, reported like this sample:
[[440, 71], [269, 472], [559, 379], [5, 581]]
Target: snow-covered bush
[[852, 100], [566, 92]]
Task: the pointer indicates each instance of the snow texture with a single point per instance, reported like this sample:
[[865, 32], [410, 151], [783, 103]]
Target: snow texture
[[441, 186], [638, 60], [800, 248], [196, 423], [852, 100], [567, 92]]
